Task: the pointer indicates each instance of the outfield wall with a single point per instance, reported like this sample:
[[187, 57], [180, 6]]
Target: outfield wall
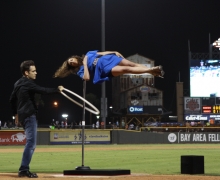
[[132, 137], [57, 137]]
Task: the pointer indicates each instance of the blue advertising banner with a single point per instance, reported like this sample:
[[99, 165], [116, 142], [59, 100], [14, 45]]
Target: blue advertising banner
[[135, 109]]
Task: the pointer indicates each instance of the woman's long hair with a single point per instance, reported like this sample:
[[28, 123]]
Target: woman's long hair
[[66, 69]]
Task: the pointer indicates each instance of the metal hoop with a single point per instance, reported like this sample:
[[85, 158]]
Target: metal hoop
[[87, 102]]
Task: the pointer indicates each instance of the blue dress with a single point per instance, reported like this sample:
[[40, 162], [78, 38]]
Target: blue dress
[[102, 70]]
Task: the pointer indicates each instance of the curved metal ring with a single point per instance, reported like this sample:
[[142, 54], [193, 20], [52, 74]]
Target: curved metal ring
[[87, 102]]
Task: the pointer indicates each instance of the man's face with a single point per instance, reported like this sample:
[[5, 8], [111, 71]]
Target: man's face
[[31, 74]]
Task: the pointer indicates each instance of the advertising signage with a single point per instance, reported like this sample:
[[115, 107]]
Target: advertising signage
[[211, 109], [194, 137], [12, 138], [192, 105], [135, 109], [201, 117], [75, 137]]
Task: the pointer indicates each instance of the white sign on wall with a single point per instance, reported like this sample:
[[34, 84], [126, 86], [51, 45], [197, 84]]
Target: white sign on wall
[[192, 105]]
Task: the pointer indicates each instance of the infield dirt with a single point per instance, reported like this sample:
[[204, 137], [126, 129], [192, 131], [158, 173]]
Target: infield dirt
[[10, 176]]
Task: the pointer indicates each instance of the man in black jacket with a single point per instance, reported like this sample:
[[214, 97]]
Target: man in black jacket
[[24, 108]]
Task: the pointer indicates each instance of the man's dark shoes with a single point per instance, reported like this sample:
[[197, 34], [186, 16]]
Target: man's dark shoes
[[27, 174]]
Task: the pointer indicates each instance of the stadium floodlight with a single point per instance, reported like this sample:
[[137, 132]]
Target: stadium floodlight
[[64, 115], [217, 43]]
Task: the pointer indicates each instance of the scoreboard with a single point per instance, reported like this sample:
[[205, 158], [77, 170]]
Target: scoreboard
[[210, 105], [211, 109], [202, 109]]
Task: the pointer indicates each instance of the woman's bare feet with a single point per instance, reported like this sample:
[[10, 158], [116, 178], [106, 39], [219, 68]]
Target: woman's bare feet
[[157, 71]]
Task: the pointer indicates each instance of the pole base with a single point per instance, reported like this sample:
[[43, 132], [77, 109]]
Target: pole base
[[83, 168], [97, 172]]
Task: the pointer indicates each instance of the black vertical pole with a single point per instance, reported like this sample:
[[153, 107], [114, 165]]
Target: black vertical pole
[[83, 127], [83, 121], [104, 99]]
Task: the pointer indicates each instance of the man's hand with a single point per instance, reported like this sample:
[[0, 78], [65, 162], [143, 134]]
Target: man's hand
[[61, 88]]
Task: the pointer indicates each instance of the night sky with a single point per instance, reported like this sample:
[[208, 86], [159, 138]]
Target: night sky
[[49, 31]]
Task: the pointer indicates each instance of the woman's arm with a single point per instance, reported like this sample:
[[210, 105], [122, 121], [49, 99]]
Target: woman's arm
[[86, 75], [110, 52]]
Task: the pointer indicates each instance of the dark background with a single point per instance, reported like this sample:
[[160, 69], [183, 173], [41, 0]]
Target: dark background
[[49, 31]]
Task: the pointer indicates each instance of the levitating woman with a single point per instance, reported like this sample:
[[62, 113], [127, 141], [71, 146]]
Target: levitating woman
[[103, 65]]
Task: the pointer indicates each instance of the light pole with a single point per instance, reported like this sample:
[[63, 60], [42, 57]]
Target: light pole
[[55, 105], [111, 117], [97, 122], [13, 117], [103, 99], [65, 116]]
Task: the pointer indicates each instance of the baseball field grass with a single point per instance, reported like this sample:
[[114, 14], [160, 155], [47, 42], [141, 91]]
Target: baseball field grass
[[146, 158]]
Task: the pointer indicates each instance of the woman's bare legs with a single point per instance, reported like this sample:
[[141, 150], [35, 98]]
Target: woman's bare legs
[[126, 62], [126, 66]]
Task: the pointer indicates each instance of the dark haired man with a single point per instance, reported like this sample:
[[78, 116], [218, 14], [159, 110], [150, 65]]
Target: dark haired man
[[24, 109]]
